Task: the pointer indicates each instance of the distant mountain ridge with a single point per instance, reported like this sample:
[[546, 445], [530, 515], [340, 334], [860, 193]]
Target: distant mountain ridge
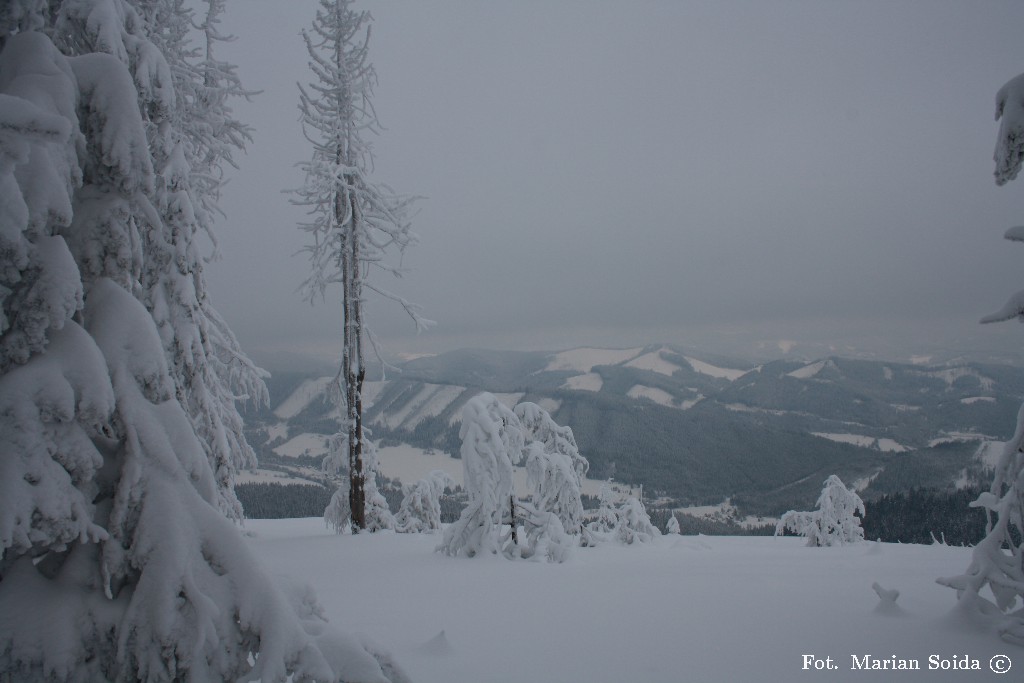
[[693, 427]]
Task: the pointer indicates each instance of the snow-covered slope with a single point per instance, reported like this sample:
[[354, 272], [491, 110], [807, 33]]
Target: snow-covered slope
[[810, 370], [299, 399], [430, 401], [584, 360], [590, 381], [654, 362], [700, 366], [692, 608]]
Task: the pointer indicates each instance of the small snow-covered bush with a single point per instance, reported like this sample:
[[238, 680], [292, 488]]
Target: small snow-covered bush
[[835, 522], [606, 519], [673, 525], [338, 514], [420, 510], [634, 525], [627, 522]]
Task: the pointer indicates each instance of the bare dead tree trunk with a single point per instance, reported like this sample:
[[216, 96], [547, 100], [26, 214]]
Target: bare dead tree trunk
[[512, 513], [352, 371], [355, 367]]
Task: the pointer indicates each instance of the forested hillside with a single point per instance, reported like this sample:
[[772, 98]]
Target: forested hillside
[[691, 431]]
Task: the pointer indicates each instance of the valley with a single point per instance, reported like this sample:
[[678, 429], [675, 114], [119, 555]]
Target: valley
[[693, 429]]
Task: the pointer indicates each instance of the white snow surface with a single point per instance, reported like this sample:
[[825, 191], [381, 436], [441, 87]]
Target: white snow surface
[[588, 382], [891, 446], [885, 445], [662, 397], [951, 375], [955, 437], [714, 371], [260, 476], [301, 397], [810, 370], [698, 609], [550, 404], [654, 362], [278, 431], [659, 396], [304, 444], [428, 402], [744, 408], [854, 439], [586, 359]]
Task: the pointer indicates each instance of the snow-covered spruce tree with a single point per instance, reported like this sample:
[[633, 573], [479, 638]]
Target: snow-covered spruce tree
[[110, 530], [190, 136], [673, 525], [354, 223], [491, 438], [606, 518], [338, 515], [997, 562], [835, 522], [420, 510], [634, 524], [377, 514]]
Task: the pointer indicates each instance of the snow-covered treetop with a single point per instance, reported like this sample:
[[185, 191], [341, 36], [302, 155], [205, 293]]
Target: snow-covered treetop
[[492, 442], [835, 522], [839, 501], [338, 118], [556, 438], [1010, 140]]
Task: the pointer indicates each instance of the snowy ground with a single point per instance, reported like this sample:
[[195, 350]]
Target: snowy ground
[[686, 608]]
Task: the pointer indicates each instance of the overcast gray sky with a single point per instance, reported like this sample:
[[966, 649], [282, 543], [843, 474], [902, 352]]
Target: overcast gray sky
[[624, 173]]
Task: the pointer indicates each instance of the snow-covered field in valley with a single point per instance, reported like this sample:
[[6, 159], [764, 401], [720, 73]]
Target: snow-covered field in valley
[[683, 608]]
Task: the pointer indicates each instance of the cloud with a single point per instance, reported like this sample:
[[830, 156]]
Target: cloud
[[624, 170]]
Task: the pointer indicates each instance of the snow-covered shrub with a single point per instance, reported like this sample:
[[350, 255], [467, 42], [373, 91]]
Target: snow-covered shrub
[[673, 524], [997, 562], [377, 513], [626, 522], [606, 519], [543, 536], [634, 524], [835, 522], [491, 436], [338, 514], [555, 469], [420, 510]]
